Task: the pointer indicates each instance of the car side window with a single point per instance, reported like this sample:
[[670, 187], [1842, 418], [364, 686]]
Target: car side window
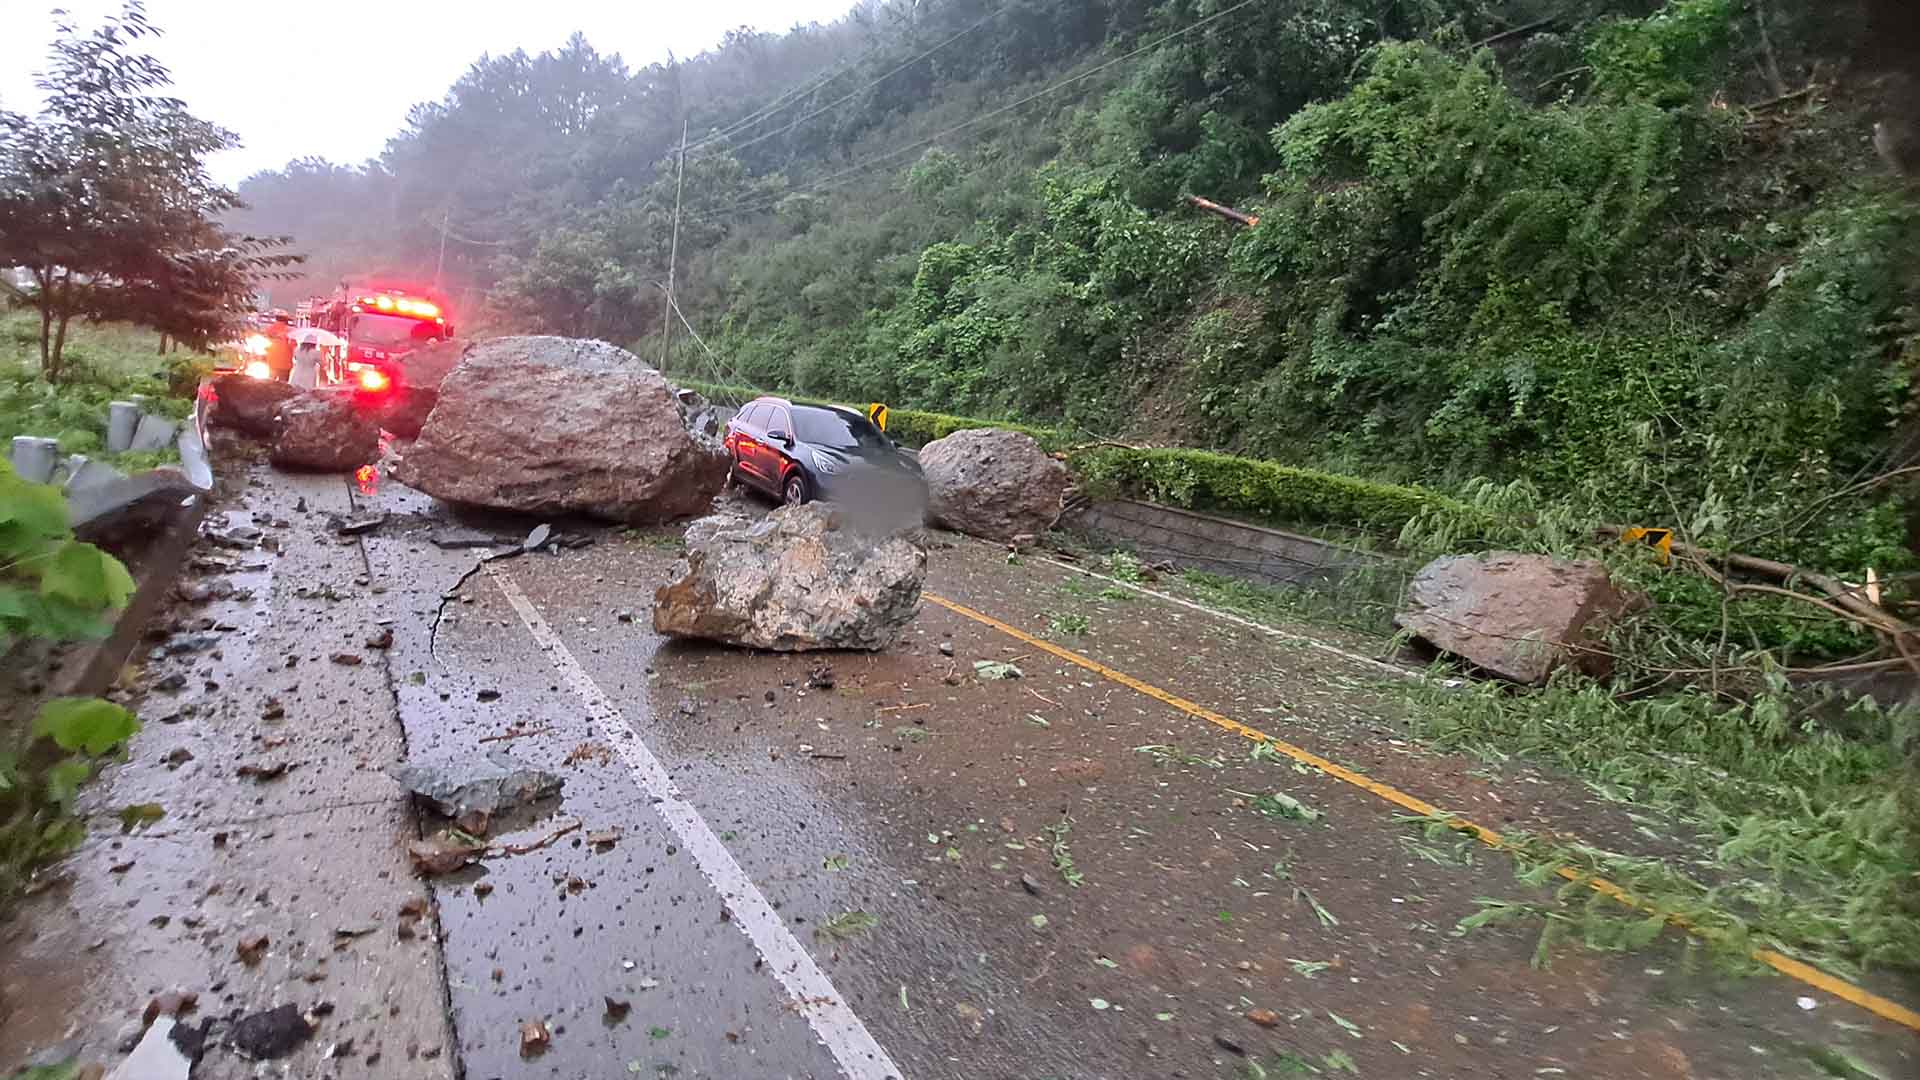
[[779, 420], [755, 417]]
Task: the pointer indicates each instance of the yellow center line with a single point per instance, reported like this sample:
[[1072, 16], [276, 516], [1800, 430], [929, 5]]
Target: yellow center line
[[1786, 965]]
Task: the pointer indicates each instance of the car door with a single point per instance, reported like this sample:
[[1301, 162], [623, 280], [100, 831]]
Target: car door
[[773, 453], [749, 433]]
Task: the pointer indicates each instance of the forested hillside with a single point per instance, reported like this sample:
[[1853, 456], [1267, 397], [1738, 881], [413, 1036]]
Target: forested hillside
[[1641, 256]]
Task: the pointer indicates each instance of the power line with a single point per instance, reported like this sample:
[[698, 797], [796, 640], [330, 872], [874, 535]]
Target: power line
[[851, 94], [781, 102], [830, 180]]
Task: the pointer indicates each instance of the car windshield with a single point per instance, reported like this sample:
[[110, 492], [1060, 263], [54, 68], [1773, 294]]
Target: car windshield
[[836, 430], [386, 331]]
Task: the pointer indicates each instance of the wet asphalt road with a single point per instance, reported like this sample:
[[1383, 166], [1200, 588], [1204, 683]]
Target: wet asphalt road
[[1053, 876]]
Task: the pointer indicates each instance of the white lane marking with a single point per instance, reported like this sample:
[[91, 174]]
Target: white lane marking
[[811, 992], [1248, 623]]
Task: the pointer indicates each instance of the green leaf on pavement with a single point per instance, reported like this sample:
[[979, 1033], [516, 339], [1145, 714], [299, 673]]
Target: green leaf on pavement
[[847, 924], [91, 725], [140, 814], [993, 670]]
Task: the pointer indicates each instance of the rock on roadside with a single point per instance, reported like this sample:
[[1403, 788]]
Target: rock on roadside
[[550, 425], [247, 404], [992, 483], [1519, 617], [801, 579], [323, 433]]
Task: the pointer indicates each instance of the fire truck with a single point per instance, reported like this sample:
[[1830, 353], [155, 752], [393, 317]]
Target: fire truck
[[379, 324]]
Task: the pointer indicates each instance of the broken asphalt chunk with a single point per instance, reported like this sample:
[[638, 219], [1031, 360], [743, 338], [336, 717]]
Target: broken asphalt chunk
[[359, 526], [617, 1010], [494, 783], [270, 1034]]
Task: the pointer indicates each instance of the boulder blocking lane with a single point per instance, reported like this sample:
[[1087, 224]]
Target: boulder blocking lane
[[604, 927], [1056, 875]]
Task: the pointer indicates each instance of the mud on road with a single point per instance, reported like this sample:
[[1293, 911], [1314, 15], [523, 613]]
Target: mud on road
[[841, 864]]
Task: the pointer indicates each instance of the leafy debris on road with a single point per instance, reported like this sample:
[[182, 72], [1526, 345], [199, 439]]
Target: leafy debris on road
[[1062, 857], [444, 853], [835, 861], [993, 671], [847, 924], [1279, 804], [1326, 917], [140, 815]]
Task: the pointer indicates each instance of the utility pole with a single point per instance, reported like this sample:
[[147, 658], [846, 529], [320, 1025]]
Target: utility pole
[[673, 252], [445, 216]]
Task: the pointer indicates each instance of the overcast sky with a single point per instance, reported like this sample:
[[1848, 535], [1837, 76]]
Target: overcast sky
[[335, 80]]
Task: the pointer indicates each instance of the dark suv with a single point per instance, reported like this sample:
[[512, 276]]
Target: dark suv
[[798, 453]]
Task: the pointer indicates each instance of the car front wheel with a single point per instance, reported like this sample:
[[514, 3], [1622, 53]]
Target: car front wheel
[[796, 491]]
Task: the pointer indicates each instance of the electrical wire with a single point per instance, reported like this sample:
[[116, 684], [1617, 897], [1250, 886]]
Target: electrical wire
[[780, 102], [827, 181], [851, 94]]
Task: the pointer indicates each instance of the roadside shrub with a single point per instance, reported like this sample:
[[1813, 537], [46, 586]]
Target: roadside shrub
[[1265, 490]]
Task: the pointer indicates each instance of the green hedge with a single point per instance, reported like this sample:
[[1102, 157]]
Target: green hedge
[[1203, 480], [1192, 479]]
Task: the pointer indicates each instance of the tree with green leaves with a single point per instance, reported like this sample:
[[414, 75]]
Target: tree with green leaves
[[105, 199]]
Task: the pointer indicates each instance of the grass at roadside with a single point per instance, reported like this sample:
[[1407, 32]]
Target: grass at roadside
[[106, 362]]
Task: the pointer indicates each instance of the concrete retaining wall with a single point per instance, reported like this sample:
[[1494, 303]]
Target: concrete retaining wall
[[1220, 546]]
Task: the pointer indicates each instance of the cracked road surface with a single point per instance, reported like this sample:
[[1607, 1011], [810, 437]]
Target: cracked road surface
[[751, 873]]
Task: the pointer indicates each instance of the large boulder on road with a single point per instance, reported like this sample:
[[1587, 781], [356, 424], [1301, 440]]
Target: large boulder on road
[[993, 483], [1519, 617], [550, 425], [323, 433], [247, 404], [802, 578]]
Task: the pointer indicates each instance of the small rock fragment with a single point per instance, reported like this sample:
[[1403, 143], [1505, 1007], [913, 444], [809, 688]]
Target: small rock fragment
[[534, 1038], [171, 1003], [269, 1034], [251, 947], [347, 659], [1264, 1017], [617, 1010]]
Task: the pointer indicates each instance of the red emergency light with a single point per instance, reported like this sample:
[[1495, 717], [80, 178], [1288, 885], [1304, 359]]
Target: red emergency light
[[386, 304]]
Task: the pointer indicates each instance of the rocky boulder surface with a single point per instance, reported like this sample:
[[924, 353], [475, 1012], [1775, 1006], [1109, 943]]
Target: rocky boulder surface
[[323, 433], [802, 578], [992, 483], [551, 425], [1519, 617], [247, 404]]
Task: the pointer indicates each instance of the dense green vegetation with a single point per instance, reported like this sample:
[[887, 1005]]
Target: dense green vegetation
[[1561, 252]]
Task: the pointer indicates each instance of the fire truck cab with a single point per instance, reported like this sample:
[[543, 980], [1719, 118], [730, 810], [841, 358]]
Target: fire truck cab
[[380, 324]]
